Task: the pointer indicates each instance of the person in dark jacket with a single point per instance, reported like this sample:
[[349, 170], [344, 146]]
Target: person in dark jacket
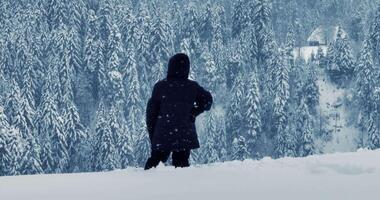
[[171, 111]]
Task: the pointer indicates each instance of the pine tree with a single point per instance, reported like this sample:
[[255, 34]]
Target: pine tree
[[92, 43], [57, 13], [206, 24], [236, 62], [104, 148], [211, 77], [252, 114], [311, 89], [75, 134], [248, 42], [374, 35], [235, 114], [240, 151], [105, 26], [340, 59], [221, 131], [13, 107], [239, 18], [176, 24], [162, 47], [284, 139], [11, 147], [321, 58], [133, 110], [366, 76], [142, 147], [54, 154], [133, 102], [115, 49], [143, 43], [305, 141], [260, 16], [210, 150], [217, 44], [190, 32], [31, 160], [373, 133]]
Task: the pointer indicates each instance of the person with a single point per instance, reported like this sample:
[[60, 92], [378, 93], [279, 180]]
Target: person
[[171, 111]]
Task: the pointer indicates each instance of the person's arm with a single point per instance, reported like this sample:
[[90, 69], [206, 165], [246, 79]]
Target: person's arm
[[202, 103], [152, 112]]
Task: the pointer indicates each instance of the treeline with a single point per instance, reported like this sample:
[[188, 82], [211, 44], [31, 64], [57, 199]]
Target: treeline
[[75, 77]]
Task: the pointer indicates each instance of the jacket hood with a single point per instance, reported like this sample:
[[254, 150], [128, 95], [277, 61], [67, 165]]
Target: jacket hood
[[179, 66]]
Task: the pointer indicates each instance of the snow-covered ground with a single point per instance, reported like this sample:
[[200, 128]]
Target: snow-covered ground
[[332, 107], [335, 176]]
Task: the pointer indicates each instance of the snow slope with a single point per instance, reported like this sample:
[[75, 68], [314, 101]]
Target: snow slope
[[344, 134], [335, 176]]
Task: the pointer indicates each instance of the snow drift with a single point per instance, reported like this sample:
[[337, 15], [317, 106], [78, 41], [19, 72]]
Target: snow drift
[[335, 176]]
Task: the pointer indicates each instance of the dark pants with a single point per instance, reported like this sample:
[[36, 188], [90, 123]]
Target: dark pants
[[180, 158]]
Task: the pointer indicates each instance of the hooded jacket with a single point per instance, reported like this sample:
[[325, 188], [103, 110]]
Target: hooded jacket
[[175, 103]]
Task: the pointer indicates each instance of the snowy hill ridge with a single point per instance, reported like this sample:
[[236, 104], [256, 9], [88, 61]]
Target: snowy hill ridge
[[332, 176]]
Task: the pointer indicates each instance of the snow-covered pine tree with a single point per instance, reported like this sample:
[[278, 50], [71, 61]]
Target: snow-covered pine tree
[[94, 58], [366, 79], [117, 127], [141, 147], [373, 133], [284, 144], [63, 61], [143, 42], [115, 50], [210, 149], [374, 35], [29, 84], [248, 42], [105, 27], [76, 136], [239, 18], [252, 112], [235, 115], [206, 24], [320, 58], [137, 138], [11, 147], [91, 41], [221, 130], [54, 154], [190, 31], [126, 152], [31, 160], [210, 71], [365, 83], [310, 88], [235, 62], [104, 157], [290, 42], [260, 16], [340, 59], [175, 21], [13, 106], [217, 44], [162, 46], [77, 12], [57, 13], [305, 140], [239, 148]]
